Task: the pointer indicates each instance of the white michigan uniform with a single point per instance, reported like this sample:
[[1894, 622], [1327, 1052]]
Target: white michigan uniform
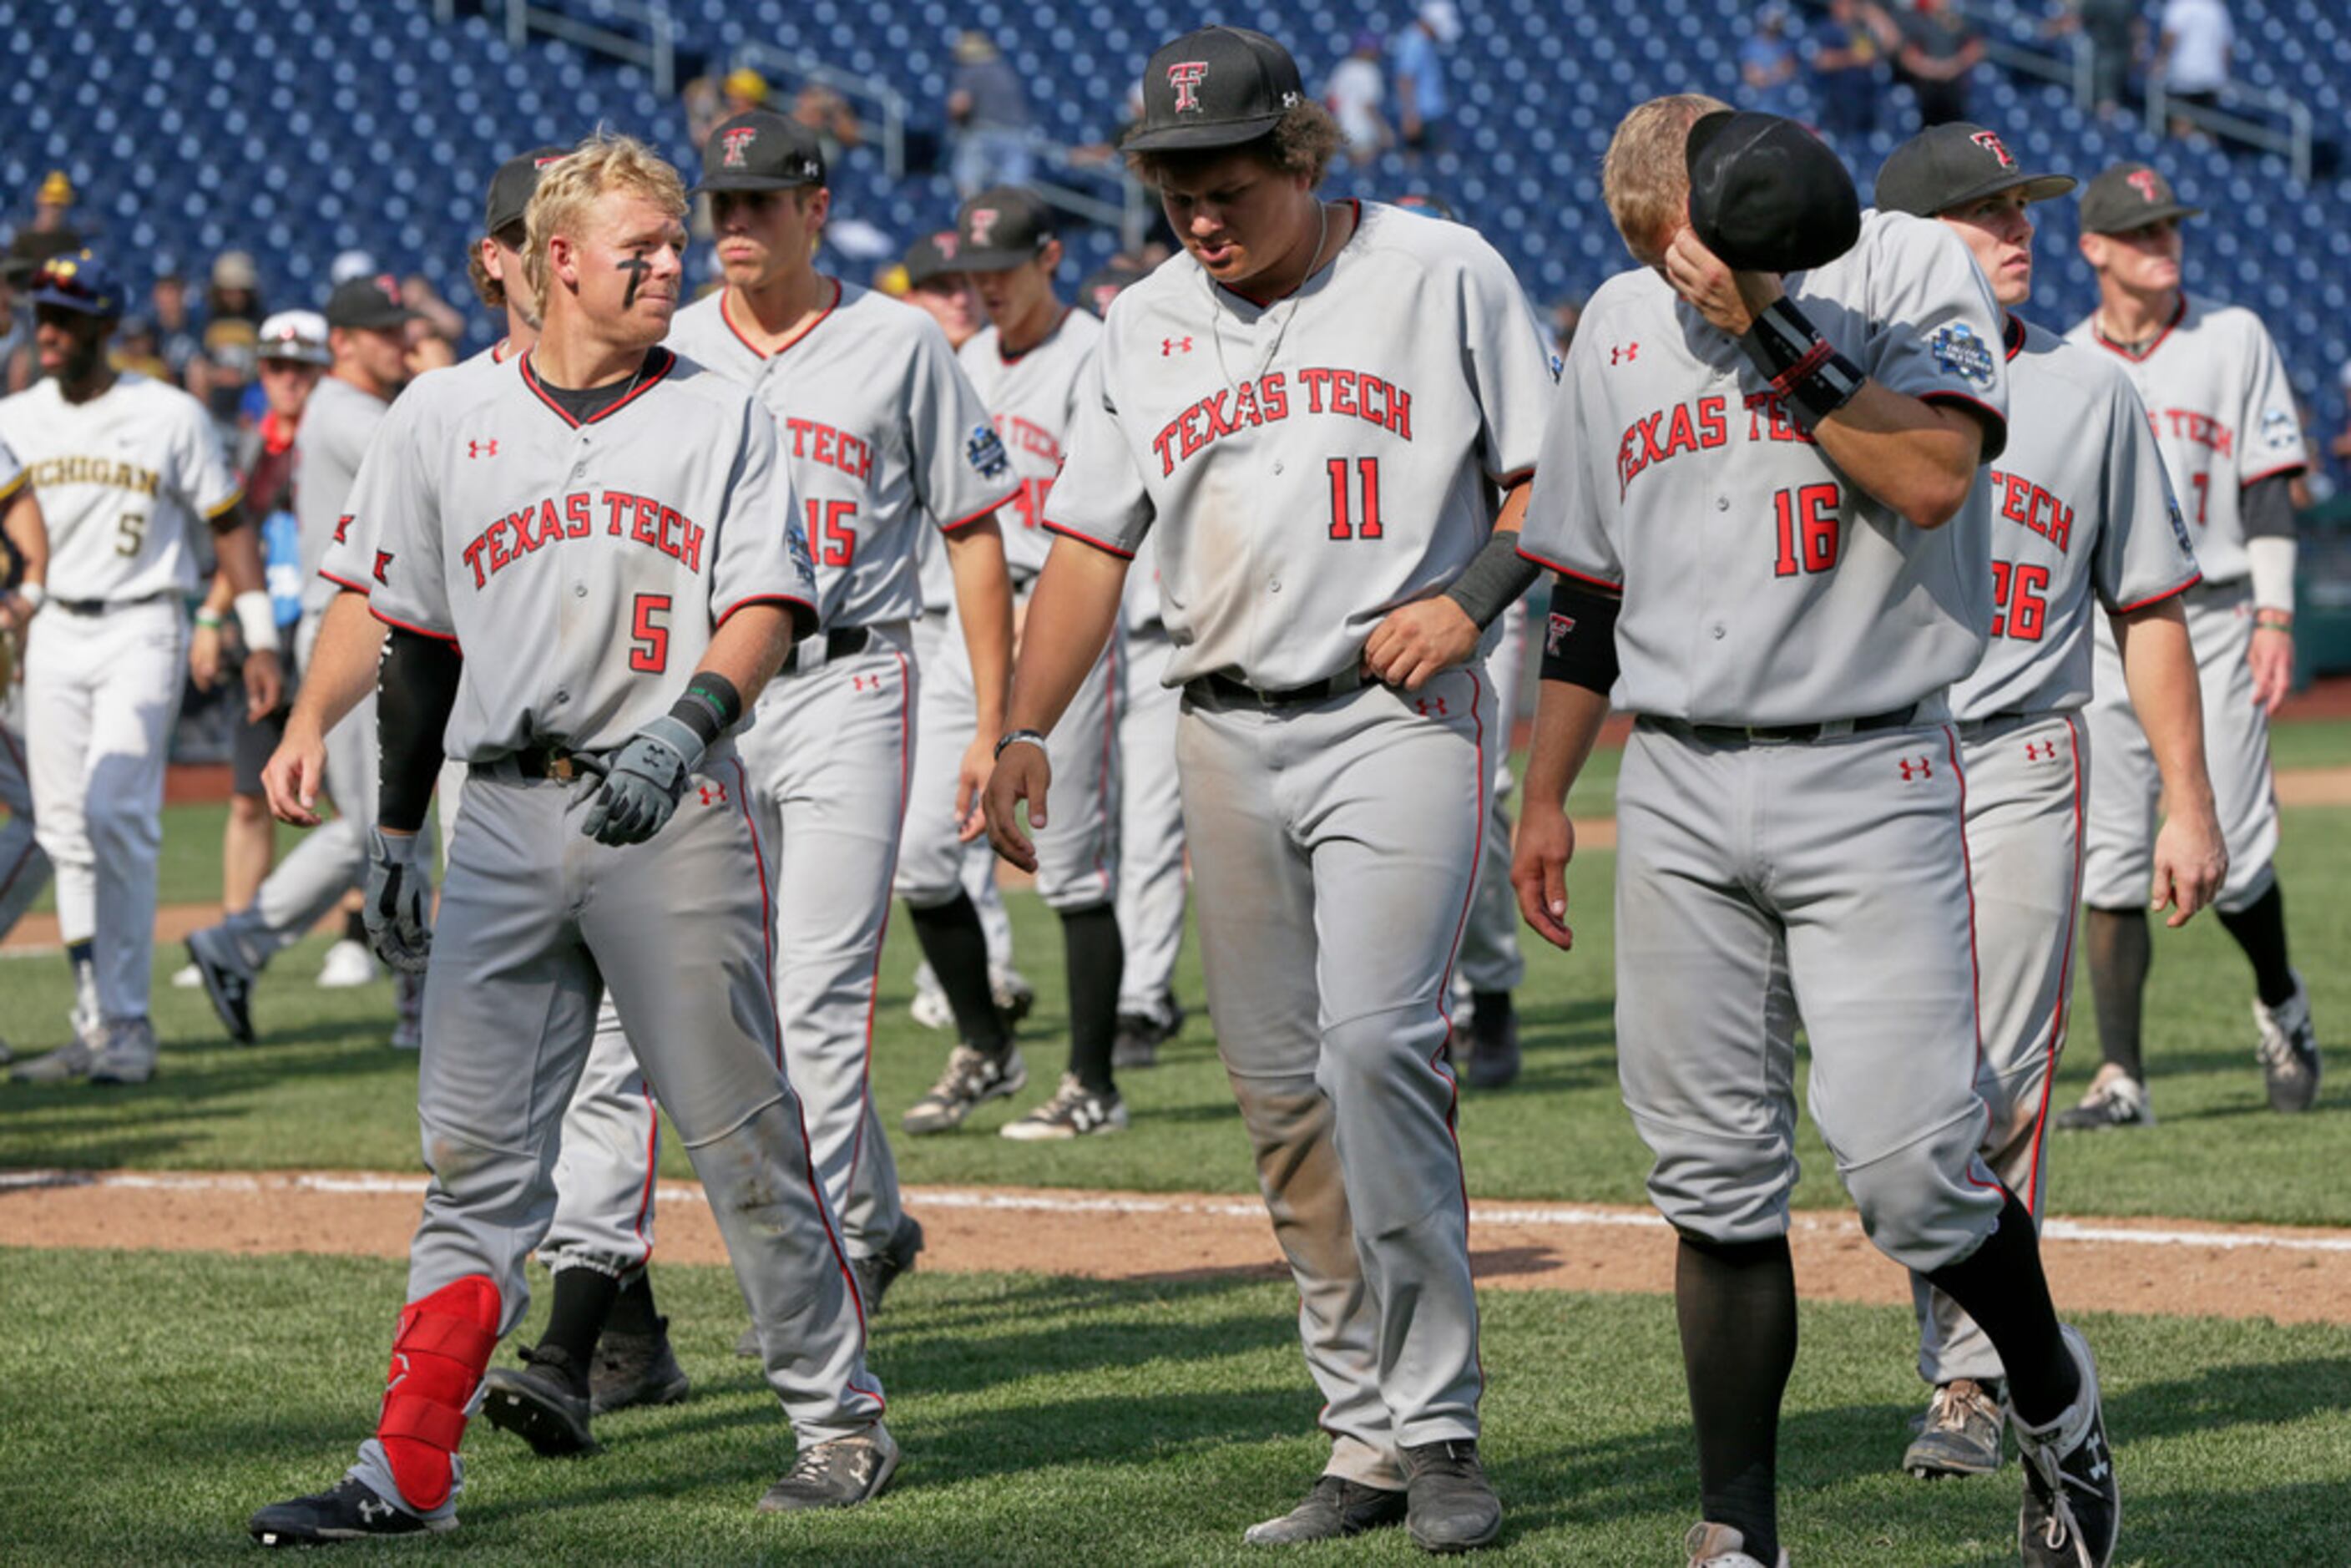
[[2222, 413], [2083, 521], [24, 868], [1302, 476], [124, 481]]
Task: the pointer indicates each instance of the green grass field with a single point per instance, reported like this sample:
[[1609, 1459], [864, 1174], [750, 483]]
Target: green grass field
[[148, 1402]]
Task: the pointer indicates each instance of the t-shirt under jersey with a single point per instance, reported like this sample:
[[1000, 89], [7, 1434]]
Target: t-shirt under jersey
[[338, 423], [1032, 397], [881, 433], [1306, 464], [581, 565], [123, 480], [2222, 412], [1760, 585], [2081, 517]]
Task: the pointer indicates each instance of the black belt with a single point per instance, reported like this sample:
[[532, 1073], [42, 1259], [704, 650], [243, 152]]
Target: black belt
[[553, 762], [1785, 734], [838, 643], [1226, 691], [101, 606]]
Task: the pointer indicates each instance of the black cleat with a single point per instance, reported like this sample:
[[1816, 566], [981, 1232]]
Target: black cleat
[[1452, 1506], [348, 1510], [1140, 1035], [226, 981], [875, 1274], [2073, 1509], [838, 1474], [1334, 1508], [1493, 1042], [635, 1369], [546, 1403]]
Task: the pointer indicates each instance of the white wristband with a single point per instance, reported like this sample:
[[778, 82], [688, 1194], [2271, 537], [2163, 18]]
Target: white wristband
[[257, 619], [2272, 562], [33, 594]]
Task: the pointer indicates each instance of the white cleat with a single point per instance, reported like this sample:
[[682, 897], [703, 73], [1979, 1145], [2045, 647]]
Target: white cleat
[[348, 965]]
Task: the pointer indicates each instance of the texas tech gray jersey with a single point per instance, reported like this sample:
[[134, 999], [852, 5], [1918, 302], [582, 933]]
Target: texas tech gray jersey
[[879, 429], [1759, 587], [2080, 508], [573, 559], [2221, 410], [337, 425], [347, 558], [1033, 398], [1312, 462]]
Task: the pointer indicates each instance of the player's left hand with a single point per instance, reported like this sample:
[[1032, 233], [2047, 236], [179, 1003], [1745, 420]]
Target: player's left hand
[[1727, 299], [2191, 861], [264, 684], [1539, 858], [204, 657], [1419, 641], [1023, 773], [971, 781], [2271, 658], [642, 788], [399, 901]]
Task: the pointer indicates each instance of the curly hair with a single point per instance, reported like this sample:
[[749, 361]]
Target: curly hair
[[1645, 177], [570, 187], [1302, 141]]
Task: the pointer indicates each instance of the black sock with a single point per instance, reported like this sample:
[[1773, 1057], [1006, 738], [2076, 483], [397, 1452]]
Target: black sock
[[2001, 1286], [1490, 1014], [2120, 952], [2259, 930], [1096, 961], [1736, 1306], [355, 926], [955, 945], [632, 1308], [78, 957], [583, 1300]]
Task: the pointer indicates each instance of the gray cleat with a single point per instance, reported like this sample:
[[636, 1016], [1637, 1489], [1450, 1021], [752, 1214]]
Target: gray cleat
[[840, 1474], [1960, 1436], [1332, 1509], [129, 1054], [2288, 1050]]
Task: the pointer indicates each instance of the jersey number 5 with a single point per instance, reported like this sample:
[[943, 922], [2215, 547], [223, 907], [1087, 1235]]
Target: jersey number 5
[[1808, 529], [649, 649], [1342, 523], [832, 531]]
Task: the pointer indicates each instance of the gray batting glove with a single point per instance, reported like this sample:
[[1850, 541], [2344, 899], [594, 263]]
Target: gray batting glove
[[398, 901], [642, 786]]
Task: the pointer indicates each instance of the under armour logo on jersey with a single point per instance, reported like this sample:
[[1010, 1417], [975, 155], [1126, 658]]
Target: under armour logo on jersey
[[1185, 78], [2147, 183], [1171, 347], [1916, 768], [343, 529], [714, 794], [1429, 708], [864, 683], [1555, 633], [738, 145], [1623, 353], [982, 224], [2041, 751], [482, 448], [382, 561], [1992, 144]]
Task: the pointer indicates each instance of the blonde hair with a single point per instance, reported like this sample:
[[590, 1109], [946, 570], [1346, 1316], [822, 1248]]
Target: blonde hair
[[1645, 177], [567, 188]]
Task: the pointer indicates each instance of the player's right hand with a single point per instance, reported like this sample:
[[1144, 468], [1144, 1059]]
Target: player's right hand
[[2191, 862], [292, 776], [399, 901], [1024, 773], [971, 783], [204, 657], [1539, 857]]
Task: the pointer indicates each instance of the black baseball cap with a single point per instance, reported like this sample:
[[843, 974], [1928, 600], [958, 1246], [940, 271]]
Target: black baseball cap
[[1950, 165], [1219, 87], [512, 185], [1768, 196], [1001, 229], [2129, 196], [933, 256], [1107, 284], [369, 304], [757, 150]]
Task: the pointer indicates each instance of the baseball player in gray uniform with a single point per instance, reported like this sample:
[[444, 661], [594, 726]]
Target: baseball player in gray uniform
[[1026, 366], [24, 573], [2082, 518], [878, 436], [633, 525], [1760, 488], [1322, 500], [2216, 397], [1492, 966], [367, 323], [125, 469]]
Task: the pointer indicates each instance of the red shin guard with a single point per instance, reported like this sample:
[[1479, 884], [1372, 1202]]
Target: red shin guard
[[438, 1355]]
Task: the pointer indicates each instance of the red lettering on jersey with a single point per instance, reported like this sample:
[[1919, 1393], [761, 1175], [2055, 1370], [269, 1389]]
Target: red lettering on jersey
[[1767, 420], [815, 442], [472, 556], [382, 561], [1342, 393], [1316, 380], [645, 513], [2028, 506], [616, 506], [1020, 436], [343, 529], [1227, 411], [672, 531], [1699, 426], [2186, 424], [558, 519], [578, 522]]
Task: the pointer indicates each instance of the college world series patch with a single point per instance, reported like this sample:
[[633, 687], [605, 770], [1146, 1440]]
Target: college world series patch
[[985, 451], [1959, 350]]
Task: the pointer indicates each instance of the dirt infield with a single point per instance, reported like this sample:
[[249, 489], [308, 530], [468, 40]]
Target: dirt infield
[[2167, 1267]]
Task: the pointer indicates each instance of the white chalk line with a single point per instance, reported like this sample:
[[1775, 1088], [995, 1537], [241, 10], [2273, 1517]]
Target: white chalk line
[[982, 1199]]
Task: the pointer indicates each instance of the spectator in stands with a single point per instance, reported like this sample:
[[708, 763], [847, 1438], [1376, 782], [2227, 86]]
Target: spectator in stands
[[15, 333], [351, 264], [1417, 62], [436, 315], [2192, 56], [235, 293], [1566, 312], [1354, 94], [1767, 64], [988, 110], [1850, 46], [709, 100], [938, 287], [1939, 49], [176, 339], [818, 108], [134, 348], [50, 204], [2116, 33]]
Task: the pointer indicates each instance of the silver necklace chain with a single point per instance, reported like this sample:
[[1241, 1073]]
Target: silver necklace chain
[[1288, 307]]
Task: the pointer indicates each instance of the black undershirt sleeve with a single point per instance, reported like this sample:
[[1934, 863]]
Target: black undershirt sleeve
[[2266, 506], [1579, 635], [416, 687]]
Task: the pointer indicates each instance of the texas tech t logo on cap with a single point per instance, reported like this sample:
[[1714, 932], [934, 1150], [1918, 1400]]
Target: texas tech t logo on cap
[[2147, 183], [1185, 78], [983, 224], [1992, 144], [739, 144]]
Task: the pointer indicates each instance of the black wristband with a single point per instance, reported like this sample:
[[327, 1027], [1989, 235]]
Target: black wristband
[[1804, 369], [1494, 579], [709, 707], [1580, 636]]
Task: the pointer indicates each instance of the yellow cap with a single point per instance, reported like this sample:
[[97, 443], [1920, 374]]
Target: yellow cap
[[57, 191], [746, 82]]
